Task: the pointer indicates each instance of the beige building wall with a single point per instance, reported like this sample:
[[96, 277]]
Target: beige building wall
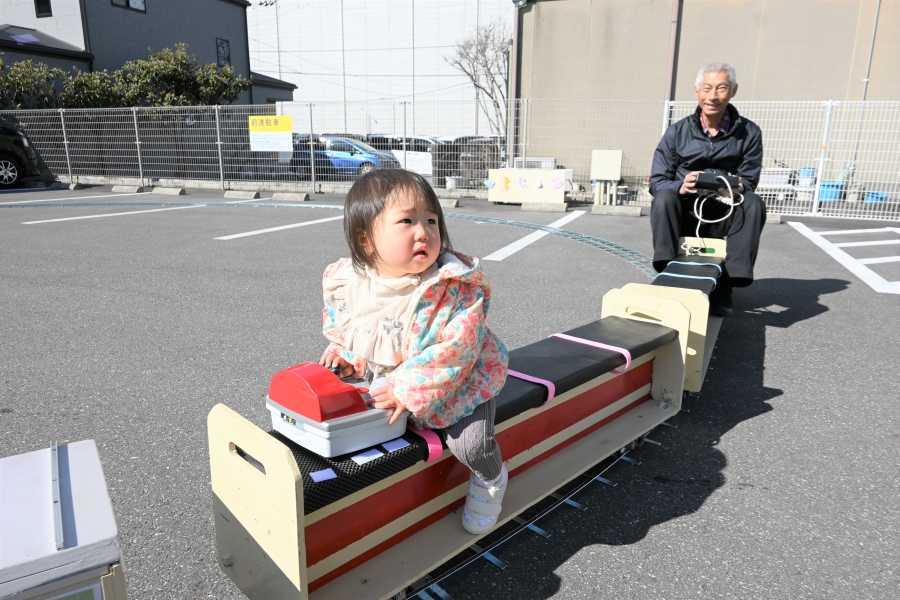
[[782, 49]]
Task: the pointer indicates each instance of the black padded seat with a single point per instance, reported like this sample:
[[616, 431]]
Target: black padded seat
[[569, 364], [700, 259], [694, 269], [688, 283]]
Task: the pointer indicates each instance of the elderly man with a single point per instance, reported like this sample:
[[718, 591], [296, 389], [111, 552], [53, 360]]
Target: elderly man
[[714, 137]]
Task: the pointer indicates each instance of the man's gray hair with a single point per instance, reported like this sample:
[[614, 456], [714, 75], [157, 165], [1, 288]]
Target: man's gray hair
[[718, 67]]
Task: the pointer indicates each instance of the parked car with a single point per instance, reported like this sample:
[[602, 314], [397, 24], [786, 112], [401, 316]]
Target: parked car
[[18, 158], [477, 156], [338, 156]]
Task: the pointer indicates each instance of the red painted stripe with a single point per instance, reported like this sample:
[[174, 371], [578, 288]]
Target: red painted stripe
[[337, 531], [577, 437], [392, 541], [558, 418]]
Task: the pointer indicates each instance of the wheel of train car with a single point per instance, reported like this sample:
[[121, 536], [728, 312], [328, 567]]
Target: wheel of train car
[[10, 172]]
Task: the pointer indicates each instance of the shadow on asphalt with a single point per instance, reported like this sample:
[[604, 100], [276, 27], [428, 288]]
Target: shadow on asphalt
[[676, 479]]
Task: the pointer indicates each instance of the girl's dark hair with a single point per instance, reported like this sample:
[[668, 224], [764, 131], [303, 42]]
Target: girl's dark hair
[[367, 199]]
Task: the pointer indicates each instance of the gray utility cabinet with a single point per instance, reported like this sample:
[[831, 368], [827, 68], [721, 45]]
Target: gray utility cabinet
[[58, 537]]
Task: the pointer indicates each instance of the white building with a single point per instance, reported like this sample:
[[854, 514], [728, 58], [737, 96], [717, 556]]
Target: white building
[[348, 50]]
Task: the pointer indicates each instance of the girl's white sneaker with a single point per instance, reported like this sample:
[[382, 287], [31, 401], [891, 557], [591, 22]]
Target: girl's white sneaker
[[482, 508]]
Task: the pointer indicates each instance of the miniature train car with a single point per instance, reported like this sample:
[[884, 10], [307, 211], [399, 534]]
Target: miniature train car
[[292, 523]]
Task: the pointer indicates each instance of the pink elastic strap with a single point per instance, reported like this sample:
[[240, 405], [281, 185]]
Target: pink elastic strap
[[551, 389], [579, 340], [435, 449]]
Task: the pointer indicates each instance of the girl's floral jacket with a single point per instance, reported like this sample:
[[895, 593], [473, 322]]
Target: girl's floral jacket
[[452, 362]]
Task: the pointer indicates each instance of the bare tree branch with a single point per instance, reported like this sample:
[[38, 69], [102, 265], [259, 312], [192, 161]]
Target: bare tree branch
[[483, 57]]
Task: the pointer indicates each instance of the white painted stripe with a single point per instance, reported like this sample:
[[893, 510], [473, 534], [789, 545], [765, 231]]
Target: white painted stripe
[[875, 243], [121, 214], [850, 231], [880, 259], [867, 275], [281, 228], [531, 238], [72, 198]]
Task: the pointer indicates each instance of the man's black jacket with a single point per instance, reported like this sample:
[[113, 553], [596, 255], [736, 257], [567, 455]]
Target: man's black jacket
[[684, 147]]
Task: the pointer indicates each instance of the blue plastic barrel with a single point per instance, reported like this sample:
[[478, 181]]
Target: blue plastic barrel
[[831, 191]]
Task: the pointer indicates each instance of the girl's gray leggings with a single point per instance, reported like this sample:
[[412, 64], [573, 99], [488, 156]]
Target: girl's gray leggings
[[471, 440]]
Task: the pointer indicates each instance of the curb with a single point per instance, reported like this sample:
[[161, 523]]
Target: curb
[[242, 195], [127, 189], [164, 191], [298, 196], [449, 202], [66, 186]]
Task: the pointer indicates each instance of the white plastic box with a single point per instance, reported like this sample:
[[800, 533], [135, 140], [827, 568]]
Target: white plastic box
[[58, 536], [337, 436]]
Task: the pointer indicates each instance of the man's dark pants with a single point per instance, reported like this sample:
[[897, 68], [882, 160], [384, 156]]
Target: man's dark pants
[[672, 216]]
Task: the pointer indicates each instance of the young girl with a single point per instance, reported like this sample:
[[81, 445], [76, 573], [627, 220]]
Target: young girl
[[405, 307]]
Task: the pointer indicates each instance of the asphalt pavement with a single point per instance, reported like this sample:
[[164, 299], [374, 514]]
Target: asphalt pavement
[[781, 482]]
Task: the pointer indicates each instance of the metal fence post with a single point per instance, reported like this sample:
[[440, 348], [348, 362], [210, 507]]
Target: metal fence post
[[525, 135], [312, 150], [62, 121], [667, 114], [137, 141], [823, 156], [219, 148], [405, 166]]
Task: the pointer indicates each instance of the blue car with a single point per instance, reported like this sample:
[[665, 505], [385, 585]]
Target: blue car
[[339, 156]]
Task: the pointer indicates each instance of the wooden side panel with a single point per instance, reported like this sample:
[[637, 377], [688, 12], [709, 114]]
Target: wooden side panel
[[269, 505], [698, 306]]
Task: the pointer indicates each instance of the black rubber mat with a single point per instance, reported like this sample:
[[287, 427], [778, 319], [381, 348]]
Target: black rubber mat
[[695, 269], [351, 477], [701, 259], [687, 283]]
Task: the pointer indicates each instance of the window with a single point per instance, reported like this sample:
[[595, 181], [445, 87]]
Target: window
[[42, 8], [132, 4], [337, 146], [223, 52]]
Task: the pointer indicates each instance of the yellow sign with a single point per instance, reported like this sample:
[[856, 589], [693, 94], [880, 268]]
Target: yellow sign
[[270, 133], [270, 124]]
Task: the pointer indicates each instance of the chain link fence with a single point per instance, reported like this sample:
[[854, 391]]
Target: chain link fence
[[829, 158]]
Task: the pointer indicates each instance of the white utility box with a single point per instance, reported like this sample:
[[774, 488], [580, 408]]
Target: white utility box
[[58, 536]]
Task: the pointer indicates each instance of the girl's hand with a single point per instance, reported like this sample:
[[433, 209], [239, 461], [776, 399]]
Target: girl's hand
[[332, 359], [384, 398]]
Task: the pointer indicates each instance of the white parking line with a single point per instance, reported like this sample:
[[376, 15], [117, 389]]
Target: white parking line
[[72, 198], [531, 238], [875, 243], [880, 259], [133, 212], [121, 214], [854, 265], [851, 231], [280, 228]]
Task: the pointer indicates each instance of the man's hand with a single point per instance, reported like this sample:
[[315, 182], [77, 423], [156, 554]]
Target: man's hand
[[723, 191], [384, 398], [332, 359], [689, 185]]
